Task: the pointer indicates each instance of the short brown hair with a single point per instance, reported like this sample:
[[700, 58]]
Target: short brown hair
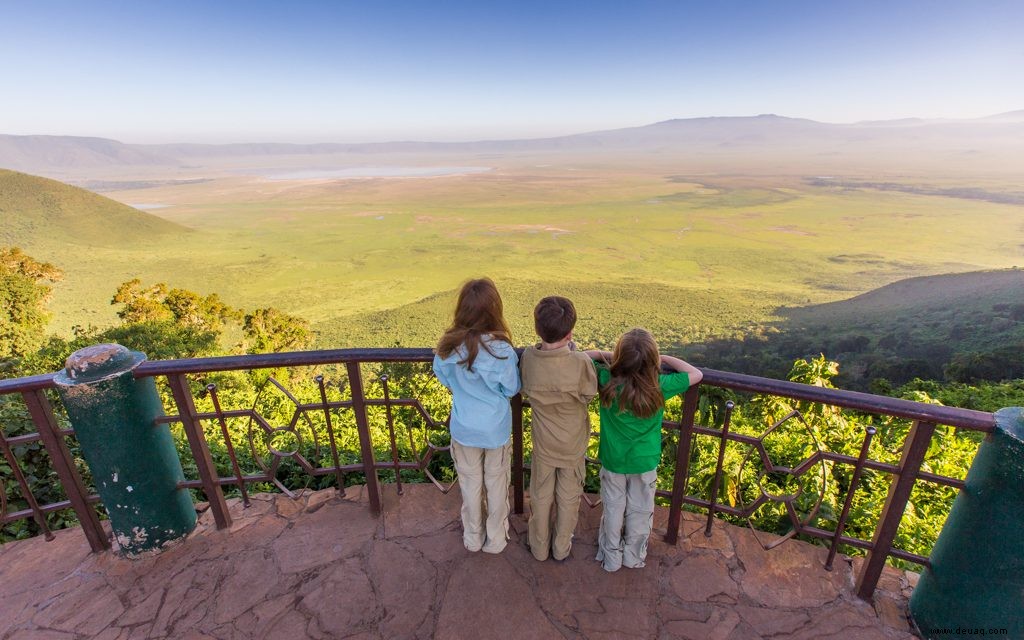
[[554, 318]]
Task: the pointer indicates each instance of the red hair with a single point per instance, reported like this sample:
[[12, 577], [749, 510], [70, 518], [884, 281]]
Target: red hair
[[634, 375], [478, 313]]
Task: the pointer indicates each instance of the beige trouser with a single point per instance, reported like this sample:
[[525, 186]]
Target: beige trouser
[[628, 501], [484, 477], [560, 487]]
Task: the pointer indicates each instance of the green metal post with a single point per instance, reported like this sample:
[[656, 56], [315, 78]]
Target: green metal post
[[976, 580], [132, 458]]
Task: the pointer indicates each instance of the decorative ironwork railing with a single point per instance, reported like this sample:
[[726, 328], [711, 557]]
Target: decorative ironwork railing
[[267, 446]]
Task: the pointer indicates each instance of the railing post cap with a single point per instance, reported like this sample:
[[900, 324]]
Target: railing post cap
[[1011, 422], [98, 362]]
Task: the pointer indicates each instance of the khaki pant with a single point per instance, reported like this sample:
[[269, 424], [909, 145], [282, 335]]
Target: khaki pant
[[484, 478], [628, 501], [560, 487]]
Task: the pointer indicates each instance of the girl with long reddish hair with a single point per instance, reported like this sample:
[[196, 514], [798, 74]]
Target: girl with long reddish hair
[[475, 360], [633, 394]]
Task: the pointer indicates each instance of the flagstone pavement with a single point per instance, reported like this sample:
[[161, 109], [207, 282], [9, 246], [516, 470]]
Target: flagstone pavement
[[322, 566]]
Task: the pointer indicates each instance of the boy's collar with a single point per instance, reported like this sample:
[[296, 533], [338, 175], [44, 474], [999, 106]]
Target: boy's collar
[[550, 353], [553, 346]]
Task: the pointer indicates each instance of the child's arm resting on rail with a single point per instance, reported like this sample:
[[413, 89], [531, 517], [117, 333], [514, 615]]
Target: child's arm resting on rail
[[681, 365], [600, 356]]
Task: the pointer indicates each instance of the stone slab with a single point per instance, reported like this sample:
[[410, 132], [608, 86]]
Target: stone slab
[[323, 566]]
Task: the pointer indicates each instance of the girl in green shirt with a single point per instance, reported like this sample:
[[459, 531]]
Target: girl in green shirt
[[633, 394]]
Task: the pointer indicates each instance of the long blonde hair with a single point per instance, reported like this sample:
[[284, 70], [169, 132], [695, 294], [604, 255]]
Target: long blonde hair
[[478, 313], [634, 375]]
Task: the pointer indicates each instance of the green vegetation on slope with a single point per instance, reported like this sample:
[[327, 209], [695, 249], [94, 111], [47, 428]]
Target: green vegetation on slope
[[39, 210], [24, 291], [959, 327]]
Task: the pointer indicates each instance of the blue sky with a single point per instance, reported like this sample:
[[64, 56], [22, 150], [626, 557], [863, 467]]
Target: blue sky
[[359, 71]]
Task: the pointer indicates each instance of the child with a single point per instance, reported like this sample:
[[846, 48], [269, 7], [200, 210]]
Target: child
[[560, 382], [476, 361], [633, 395]]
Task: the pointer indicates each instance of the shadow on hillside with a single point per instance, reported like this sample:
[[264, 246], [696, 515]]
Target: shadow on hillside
[[958, 327]]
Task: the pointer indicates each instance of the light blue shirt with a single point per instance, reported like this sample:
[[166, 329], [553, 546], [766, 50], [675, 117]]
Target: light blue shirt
[[481, 414]]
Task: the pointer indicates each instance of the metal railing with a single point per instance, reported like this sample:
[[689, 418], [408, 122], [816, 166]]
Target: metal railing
[[177, 373], [905, 474]]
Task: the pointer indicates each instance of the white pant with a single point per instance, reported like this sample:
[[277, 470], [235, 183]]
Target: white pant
[[484, 477], [628, 501]]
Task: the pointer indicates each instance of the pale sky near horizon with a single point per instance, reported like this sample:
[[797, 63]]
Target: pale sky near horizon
[[229, 71]]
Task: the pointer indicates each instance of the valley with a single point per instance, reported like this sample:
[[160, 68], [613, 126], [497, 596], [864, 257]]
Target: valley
[[707, 229]]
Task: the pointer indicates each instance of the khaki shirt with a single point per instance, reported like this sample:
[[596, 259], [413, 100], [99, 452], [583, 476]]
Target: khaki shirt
[[560, 384]]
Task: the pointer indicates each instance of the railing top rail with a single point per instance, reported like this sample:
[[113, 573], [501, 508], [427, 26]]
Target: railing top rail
[[965, 418], [151, 368], [867, 402], [273, 360], [30, 383]]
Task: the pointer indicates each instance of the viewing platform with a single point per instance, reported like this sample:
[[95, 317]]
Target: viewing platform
[[323, 566], [382, 560]]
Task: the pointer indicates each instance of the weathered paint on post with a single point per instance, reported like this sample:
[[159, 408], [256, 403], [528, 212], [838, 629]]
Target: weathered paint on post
[[976, 579], [132, 458]]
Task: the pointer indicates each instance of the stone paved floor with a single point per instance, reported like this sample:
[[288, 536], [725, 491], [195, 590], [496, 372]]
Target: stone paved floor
[[323, 567]]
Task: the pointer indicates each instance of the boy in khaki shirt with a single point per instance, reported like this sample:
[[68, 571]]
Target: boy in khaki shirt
[[560, 382]]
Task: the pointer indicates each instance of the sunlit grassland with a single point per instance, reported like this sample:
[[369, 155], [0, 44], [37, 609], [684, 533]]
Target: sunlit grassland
[[374, 261]]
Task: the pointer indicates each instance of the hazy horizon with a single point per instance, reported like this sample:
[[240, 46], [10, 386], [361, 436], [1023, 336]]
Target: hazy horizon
[[284, 140], [333, 72]]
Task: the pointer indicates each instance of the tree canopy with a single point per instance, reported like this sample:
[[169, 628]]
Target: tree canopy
[[24, 291]]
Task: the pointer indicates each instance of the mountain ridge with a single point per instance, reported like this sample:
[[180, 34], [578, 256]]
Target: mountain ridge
[[49, 154]]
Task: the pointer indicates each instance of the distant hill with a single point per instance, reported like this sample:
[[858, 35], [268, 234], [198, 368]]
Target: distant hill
[[1009, 116], [689, 135], [38, 210], [43, 154], [959, 327], [1000, 136], [919, 297]]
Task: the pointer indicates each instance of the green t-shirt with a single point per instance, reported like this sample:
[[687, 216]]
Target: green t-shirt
[[630, 444]]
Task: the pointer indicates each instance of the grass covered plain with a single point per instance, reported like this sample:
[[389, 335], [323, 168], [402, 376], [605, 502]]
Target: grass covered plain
[[374, 261]]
